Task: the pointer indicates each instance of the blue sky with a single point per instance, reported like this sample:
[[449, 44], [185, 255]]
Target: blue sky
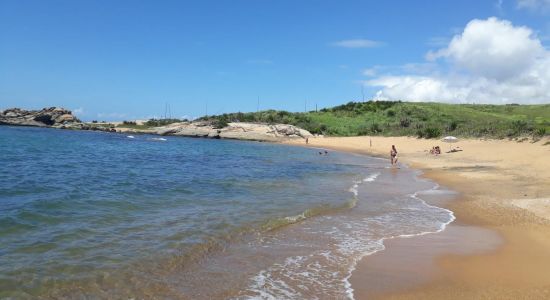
[[126, 59]]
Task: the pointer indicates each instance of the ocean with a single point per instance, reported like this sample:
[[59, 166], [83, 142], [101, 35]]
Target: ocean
[[93, 215]]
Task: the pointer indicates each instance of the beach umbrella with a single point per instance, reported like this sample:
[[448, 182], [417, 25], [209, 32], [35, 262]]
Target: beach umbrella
[[450, 140]]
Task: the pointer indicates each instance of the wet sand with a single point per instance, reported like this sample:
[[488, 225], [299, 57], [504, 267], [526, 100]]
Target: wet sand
[[499, 246]]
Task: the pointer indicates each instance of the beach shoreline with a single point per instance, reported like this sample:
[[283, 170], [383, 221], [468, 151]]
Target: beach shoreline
[[502, 194], [498, 246]]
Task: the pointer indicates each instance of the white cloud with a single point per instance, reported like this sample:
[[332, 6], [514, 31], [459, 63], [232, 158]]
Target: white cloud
[[416, 68], [78, 111], [438, 41], [498, 6], [358, 43], [370, 72], [492, 48], [419, 68], [534, 5], [491, 61]]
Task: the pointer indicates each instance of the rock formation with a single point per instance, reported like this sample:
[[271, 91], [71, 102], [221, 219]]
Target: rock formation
[[47, 117], [237, 130], [61, 118]]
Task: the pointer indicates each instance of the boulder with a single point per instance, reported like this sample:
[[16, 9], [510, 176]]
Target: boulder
[[65, 118], [186, 129]]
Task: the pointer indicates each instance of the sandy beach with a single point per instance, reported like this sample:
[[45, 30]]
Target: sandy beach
[[499, 245]]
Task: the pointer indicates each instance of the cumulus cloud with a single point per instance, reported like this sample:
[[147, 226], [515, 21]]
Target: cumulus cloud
[[492, 48], [357, 43], [491, 61]]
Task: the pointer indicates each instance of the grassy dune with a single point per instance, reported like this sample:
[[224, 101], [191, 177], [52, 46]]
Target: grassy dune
[[429, 120]]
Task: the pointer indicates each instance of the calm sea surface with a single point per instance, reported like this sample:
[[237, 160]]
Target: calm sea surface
[[92, 215]]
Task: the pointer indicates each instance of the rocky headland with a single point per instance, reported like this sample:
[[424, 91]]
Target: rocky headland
[[46, 117], [61, 118]]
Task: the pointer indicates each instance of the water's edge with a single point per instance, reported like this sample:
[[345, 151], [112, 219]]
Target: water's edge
[[318, 215], [349, 287]]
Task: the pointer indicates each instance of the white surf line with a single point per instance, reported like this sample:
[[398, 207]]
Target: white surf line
[[372, 177], [158, 139], [347, 284], [441, 228], [260, 279]]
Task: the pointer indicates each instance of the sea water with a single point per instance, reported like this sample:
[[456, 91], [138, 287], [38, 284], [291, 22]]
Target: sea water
[[101, 215]]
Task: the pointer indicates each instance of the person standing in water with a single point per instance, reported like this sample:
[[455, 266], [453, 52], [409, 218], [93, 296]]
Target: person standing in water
[[393, 155]]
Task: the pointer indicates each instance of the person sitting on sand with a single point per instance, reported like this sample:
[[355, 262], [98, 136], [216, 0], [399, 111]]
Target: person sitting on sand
[[393, 155], [435, 150]]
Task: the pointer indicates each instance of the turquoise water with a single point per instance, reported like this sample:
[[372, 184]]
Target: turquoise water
[[90, 214]]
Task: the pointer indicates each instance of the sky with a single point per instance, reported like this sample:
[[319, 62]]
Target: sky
[[124, 60]]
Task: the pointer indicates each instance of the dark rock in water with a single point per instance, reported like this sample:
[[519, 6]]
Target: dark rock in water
[[46, 117]]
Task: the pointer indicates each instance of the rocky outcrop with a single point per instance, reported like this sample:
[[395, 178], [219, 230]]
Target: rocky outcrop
[[191, 129], [237, 130], [61, 118], [89, 126], [47, 117], [262, 132]]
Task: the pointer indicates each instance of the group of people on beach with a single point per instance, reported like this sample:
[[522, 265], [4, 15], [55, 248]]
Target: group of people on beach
[[435, 150], [393, 152]]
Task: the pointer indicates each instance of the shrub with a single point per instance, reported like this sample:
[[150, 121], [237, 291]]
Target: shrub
[[432, 132], [405, 122], [375, 128], [160, 122], [540, 132], [220, 123], [519, 126], [363, 130], [452, 126]]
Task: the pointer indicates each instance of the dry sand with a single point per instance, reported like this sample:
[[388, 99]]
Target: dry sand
[[499, 246]]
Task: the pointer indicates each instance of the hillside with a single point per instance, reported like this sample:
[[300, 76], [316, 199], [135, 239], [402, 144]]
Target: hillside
[[429, 120]]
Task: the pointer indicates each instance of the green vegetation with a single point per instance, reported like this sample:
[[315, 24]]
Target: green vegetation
[[101, 125], [161, 122], [149, 124], [426, 120]]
